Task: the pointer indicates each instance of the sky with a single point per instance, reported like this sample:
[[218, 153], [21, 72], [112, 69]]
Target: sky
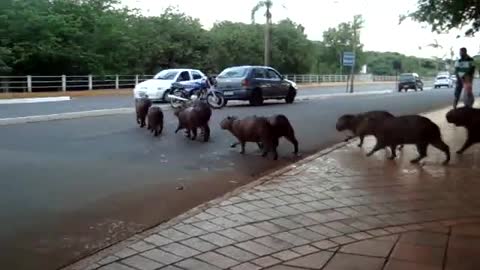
[[381, 30]]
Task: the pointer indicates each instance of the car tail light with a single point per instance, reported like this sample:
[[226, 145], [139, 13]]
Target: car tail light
[[245, 83]]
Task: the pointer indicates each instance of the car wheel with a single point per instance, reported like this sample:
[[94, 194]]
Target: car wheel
[[290, 96], [257, 98], [165, 98]]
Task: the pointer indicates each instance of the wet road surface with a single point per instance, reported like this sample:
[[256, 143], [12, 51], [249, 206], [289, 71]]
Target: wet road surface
[[71, 187]]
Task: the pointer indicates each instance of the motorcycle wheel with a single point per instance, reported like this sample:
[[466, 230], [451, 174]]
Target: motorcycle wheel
[[216, 101], [176, 103]]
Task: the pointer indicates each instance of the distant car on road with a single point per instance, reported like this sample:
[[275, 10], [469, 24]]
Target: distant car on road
[[443, 80], [255, 84], [410, 81], [159, 87]]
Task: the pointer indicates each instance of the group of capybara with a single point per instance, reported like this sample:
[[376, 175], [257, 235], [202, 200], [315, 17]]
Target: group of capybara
[[265, 131], [392, 131]]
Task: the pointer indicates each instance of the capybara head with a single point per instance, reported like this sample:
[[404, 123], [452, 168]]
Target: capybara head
[[227, 122], [459, 117], [345, 122]]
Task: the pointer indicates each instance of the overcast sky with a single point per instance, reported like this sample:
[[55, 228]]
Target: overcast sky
[[381, 31]]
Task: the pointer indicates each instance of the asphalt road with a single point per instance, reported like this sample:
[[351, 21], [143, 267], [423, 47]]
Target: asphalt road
[[97, 103], [73, 186]]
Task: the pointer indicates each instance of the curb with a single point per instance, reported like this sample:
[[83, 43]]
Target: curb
[[64, 116], [33, 100], [81, 263]]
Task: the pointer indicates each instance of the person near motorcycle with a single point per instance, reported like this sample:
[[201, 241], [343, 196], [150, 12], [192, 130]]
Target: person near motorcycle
[[464, 70]]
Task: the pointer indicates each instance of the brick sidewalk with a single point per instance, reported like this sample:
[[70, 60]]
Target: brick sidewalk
[[337, 210]]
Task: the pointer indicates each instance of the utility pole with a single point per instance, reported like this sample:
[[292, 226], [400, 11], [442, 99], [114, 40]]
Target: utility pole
[[354, 45]]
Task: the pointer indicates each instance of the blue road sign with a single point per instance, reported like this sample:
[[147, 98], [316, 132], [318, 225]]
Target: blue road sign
[[348, 58]]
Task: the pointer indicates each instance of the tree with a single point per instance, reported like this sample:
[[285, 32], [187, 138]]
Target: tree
[[444, 15], [267, 4], [340, 39]]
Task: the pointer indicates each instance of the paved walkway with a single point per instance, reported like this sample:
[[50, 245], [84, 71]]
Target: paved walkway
[[334, 211]]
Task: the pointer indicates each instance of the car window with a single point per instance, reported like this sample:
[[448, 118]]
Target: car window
[[196, 75], [184, 76], [259, 73], [272, 75], [234, 72], [166, 75]]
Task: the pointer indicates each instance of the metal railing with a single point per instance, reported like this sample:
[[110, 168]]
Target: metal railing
[[96, 82]]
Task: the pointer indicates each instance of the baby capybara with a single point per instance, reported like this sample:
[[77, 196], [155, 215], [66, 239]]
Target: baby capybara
[[194, 116], [141, 108], [252, 129], [469, 118], [352, 122], [155, 120], [409, 129], [282, 128]]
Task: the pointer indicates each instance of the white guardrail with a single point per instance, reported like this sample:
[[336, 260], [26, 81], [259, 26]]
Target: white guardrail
[[96, 82]]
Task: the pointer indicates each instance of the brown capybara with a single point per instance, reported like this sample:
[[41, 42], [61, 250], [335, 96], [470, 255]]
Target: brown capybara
[[252, 129], [194, 116], [141, 109], [282, 128], [155, 120], [469, 118], [409, 129], [352, 123]]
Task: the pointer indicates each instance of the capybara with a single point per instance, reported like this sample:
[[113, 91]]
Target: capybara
[[282, 128], [155, 120], [194, 116], [409, 129], [141, 109], [469, 118], [352, 123], [252, 129]]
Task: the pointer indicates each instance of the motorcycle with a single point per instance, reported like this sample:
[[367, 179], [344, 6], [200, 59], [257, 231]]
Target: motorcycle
[[182, 93]]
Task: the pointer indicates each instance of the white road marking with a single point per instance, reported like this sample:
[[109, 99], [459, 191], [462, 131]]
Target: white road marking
[[34, 100]]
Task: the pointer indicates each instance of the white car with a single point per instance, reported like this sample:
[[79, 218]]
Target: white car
[[158, 88], [443, 80]]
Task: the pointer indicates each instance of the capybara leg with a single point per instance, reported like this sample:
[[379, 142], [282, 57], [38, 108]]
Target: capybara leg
[[138, 120], [206, 133], [400, 147], [422, 152], [274, 150], [187, 133], [155, 133], [393, 150], [291, 138], [142, 123], [161, 128], [441, 145], [260, 145], [194, 133], [178, 128], [361, 141], [375, 149], [242, 144], [469, 142], [233, 145]]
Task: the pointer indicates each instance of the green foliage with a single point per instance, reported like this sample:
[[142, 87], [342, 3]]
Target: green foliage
[[382, 63], [444, 15], [52, 37]]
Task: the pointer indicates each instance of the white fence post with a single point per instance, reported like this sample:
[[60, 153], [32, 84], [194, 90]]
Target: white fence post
[[136, 80], [294, 77], [29, 83], [116, 82], [90, 82], [64, 83]]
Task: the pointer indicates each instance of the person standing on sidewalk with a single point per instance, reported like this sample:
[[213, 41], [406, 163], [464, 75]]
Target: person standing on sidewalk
[[464, 70]]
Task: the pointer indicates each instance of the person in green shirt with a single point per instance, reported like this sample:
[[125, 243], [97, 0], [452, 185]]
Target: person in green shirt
[[464, 70]]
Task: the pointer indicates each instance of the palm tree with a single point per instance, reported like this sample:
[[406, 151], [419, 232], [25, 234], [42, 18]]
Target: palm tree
[[267, 4]]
